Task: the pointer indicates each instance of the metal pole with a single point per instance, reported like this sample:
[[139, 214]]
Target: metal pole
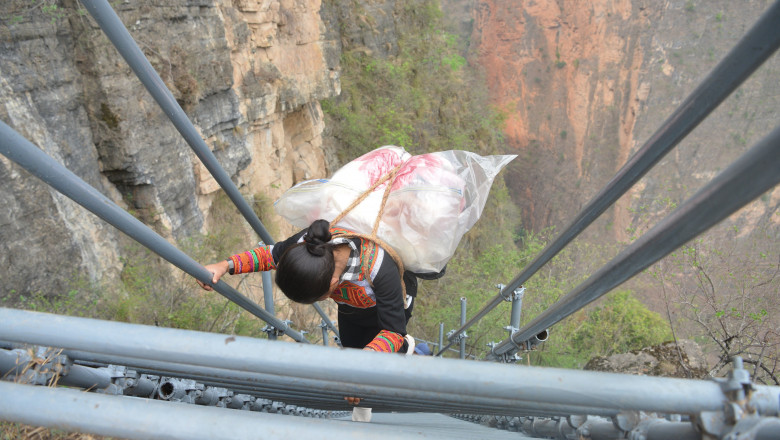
[[441, 337], [268, 297], [758, 44], [747, 178], [462, 380], [328, 322], [116, 32], [517, 310], [462, 321], [324, 328], [28, 156], [141, 419], [330, 394]]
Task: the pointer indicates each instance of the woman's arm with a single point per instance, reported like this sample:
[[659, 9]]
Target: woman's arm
[[261, 258], [389, 309], [258, 259]]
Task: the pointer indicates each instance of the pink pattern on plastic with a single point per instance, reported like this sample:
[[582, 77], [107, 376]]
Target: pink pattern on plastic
[[378, 163]]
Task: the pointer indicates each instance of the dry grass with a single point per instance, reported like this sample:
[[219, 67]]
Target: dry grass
[[16, 431]]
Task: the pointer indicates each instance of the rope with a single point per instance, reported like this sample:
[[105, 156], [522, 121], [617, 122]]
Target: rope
[[390, 176]]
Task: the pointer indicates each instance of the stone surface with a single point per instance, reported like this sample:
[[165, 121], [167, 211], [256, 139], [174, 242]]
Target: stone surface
[[684, 359], [249, 75], [585, 84]]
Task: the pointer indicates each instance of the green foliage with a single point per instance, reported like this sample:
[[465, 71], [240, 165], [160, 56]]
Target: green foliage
[[620, 323], [75, 302], [426, 98], [152, 291], [16, 11]]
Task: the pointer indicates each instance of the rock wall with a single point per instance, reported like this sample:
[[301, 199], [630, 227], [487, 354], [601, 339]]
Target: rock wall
[[249, 74], [585, 84]]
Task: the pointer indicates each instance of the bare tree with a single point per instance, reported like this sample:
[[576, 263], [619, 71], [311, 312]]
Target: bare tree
[[726, 295]]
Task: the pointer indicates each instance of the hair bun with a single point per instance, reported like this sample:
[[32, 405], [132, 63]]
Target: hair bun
[[317, 237]]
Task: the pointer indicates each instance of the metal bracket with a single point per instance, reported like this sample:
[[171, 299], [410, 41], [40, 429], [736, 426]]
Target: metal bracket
[[507, 358], [530, 344], [458, 338], [626, 420], [737, 385], [736, 418], [271, 330], [514, 295]]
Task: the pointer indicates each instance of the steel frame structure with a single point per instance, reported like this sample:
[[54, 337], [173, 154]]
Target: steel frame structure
[[316, 376]]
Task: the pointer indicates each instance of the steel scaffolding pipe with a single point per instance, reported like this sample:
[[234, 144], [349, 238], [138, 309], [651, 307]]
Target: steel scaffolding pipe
[[330, 394], [328, 322], [268, 298], [14, 362], [754, 173], [597, 428], [755, 47], [28, 156], [132, 418], [19, 364], [462, 351], [423, 377]]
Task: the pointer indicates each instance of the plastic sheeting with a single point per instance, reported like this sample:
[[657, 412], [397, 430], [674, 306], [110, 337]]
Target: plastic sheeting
[[434, 200]]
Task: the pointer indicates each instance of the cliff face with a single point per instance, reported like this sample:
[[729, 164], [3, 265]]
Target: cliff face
[[248, 73], [585, 84]]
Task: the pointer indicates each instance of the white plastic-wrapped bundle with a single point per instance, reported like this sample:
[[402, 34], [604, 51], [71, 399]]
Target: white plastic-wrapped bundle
[[434, 200]]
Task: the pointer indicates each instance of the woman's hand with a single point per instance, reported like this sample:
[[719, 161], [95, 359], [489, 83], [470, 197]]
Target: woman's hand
[[352, 400], [218, 269]]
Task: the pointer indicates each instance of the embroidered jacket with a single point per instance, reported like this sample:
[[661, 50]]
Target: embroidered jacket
[[359, 300]]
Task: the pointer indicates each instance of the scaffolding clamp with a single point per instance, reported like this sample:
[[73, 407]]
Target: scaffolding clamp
[[513, 296], [459, 337], [271, 330], [532, 342], [507, 358]]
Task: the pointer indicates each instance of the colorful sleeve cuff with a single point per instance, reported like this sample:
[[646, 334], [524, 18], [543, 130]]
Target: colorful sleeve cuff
[[257, 260], [386, 341]]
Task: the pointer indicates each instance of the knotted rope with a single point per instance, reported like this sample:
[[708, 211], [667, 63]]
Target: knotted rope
[[390, 179]]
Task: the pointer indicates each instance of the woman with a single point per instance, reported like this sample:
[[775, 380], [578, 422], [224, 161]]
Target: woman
[[320, 263]]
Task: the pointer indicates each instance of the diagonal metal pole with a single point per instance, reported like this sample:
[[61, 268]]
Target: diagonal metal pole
[[115, 30], [28, 156], [748, 177], [761, 41]]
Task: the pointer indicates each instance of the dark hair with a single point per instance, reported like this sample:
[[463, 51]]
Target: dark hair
[[305, 269]]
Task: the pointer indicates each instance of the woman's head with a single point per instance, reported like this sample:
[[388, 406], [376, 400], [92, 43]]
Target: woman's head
[[305, 270]]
